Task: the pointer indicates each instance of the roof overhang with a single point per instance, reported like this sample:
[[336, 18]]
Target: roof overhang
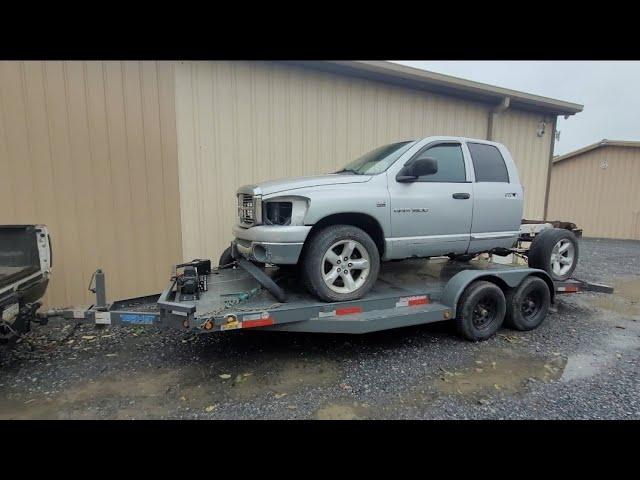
[[414, 78], [593, 146]]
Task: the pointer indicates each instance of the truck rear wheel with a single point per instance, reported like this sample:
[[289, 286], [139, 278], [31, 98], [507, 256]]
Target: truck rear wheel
[[528, 304], [555, 251], [481, 311], [341, 263]]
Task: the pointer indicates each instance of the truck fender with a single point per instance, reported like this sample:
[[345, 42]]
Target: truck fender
[[504, 279]]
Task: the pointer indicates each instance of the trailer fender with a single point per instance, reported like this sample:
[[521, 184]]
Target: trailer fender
[[505, 279]]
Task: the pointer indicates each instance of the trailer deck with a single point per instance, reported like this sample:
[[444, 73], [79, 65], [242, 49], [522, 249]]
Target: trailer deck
[[411, 292], [407, 293]]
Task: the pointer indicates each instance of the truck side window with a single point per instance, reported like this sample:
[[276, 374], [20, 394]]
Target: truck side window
[[488, 163], [450, 163]]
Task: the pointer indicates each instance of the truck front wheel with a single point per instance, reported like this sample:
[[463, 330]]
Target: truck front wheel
[[341, 263]]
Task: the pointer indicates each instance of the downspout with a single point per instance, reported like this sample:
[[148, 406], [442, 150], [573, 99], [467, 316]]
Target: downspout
[[501, 107], [551, 149]]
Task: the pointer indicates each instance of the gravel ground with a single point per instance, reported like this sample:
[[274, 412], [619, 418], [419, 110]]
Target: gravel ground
[[583, 362]]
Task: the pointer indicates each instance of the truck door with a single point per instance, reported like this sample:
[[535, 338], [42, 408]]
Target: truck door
[[432, 215], [497, 193]]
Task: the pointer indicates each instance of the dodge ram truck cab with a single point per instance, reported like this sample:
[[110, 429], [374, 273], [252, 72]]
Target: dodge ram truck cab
[[422, 198]]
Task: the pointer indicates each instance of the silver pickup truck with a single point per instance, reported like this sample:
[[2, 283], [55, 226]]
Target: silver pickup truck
[[423, 198]]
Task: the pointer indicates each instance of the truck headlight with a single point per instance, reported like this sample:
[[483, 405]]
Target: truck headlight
[[277, 213], [285, 210]]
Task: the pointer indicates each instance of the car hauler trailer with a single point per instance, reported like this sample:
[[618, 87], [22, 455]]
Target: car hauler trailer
[[478, 295]]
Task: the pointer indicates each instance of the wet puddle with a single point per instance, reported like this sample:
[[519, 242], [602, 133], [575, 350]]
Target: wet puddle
[[625, 299], [275, 377], [138, 396], [494, 370], [344, 411], [167, 393]]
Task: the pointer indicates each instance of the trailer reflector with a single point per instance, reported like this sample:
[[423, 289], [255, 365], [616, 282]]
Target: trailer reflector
[[348, 310], [413, 301], [568, 289], [257, 320], [263, 322], [341, 311]]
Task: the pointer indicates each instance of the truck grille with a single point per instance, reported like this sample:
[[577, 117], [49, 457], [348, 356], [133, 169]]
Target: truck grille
[[246, 211]]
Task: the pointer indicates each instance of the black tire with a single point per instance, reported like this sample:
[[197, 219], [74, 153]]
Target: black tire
[[528, 304], [312, 265], [541, 250], [466, 257], [290, 270], [225, 258], [481, 311]]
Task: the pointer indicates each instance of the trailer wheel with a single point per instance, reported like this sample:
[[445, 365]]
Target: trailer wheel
[[528, 304], [481, 311], [555, 251]]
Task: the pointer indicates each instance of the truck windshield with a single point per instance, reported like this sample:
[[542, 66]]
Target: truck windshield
[[378, 160]]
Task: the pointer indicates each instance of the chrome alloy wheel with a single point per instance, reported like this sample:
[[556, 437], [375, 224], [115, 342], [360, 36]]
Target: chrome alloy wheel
[[345, 266], [562, 257]]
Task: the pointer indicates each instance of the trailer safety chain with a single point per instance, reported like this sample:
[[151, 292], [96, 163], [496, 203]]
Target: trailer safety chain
[[4, 326], [233, 304], [13, 333], [93, 276]]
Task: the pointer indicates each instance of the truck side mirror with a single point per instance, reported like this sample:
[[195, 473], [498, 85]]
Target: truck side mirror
[[417, 168]]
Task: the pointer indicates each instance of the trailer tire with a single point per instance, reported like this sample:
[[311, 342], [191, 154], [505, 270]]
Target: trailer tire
[[314, 267], [528, 304], [481, 311], [555, 251]]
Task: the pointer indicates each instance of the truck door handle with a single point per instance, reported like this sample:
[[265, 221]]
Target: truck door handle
[[461, 196]]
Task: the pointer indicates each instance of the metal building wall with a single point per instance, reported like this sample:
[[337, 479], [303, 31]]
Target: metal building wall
[[89, 149], [518, 131], [604, 202]]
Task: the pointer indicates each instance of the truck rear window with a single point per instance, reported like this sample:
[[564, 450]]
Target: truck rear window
[[488, 163]]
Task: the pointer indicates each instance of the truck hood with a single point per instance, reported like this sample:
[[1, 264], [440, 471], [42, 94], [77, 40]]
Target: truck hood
[[286, 184]]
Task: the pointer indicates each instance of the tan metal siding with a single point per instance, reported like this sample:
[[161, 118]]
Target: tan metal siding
[[518, 131], [604, 202], [244, 122], [89, 149]]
